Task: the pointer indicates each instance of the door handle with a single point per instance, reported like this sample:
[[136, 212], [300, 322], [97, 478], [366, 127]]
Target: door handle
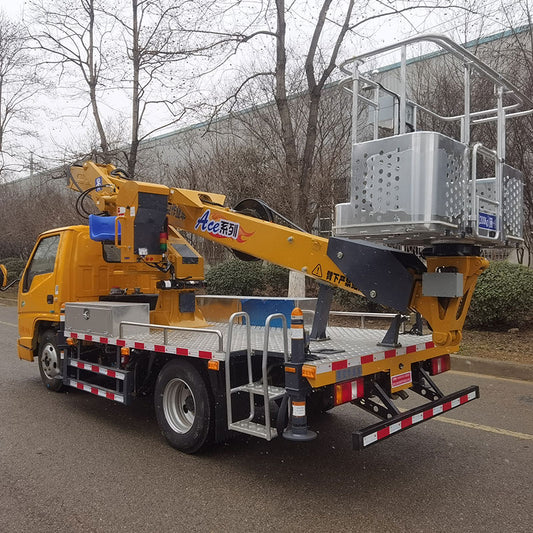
[[49, 298]]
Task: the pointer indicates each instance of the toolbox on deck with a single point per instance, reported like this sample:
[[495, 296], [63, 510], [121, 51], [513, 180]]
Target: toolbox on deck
[[103, 318]]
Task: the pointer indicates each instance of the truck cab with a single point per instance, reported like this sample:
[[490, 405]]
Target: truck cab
[[67, 266]]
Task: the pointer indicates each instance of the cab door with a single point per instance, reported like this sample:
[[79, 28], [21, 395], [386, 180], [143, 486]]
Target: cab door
[[38, 291]]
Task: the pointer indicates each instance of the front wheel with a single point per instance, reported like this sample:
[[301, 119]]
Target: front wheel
[[50, 362], [183, 407]]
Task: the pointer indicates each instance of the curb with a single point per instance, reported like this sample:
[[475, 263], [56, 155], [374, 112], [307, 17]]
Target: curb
[[490, 367]]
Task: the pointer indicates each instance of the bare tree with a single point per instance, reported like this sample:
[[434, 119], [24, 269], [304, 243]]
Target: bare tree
[[152, 50], [299, 167], [18, 204], [328, 24], [123, 50], [19, 83], [73, 36]]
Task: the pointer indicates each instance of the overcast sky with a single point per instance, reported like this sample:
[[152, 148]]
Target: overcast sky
[[13, 8], [60, 120]]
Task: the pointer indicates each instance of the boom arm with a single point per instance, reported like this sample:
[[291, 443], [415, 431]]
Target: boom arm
[[142, 212]]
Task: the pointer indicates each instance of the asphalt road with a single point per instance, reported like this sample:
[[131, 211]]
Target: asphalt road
[[75, 462]]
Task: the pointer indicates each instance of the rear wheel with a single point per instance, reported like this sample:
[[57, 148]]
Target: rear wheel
[[50, 362], [183, 407]]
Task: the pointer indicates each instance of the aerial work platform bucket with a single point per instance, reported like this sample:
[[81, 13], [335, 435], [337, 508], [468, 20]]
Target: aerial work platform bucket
[[420, 187]]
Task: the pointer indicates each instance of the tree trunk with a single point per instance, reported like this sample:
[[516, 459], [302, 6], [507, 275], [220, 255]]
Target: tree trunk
[[296, 285], [93, 76], [287, 130], [132, 158]]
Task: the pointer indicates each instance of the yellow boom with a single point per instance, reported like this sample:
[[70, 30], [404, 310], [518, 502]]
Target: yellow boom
[[137, 206]]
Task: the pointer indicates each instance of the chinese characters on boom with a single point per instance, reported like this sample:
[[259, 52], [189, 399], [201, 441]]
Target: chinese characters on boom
[[342, 280], [219, 228]]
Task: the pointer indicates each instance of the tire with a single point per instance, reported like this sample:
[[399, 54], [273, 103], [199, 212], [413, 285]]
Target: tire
[[183, 407], [49, 361]]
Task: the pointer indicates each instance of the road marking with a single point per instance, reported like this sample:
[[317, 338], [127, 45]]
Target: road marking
[[490, 429], [8, 324]]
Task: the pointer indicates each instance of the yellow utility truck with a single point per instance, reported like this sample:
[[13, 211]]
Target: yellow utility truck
[[110, 308]]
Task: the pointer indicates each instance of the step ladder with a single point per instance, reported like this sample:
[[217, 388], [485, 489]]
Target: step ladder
[[257, 388], [74, 368]]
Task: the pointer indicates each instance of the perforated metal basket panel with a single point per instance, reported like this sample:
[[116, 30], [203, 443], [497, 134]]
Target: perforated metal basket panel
[[409, 184], [416, 188], [513, 199]]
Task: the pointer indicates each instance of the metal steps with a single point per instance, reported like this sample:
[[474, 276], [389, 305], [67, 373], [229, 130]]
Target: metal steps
[[96, 390], [97, 369], [121, 392], [254, 388], [253, 428], [257, 388]]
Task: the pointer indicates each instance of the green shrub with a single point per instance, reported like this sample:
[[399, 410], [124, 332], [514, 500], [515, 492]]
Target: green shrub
[[246, 278], [15, 266], [503, 297], [276, 279], [235, 277]]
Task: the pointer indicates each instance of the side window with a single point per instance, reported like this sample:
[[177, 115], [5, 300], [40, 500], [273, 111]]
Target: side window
[[43, 260]]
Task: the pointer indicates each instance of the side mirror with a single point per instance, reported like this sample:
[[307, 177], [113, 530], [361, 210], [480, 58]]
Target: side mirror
[[3, 276]]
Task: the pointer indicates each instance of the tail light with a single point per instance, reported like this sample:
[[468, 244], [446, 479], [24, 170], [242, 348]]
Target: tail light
[[440, 364], [349, 390], [125, 355]]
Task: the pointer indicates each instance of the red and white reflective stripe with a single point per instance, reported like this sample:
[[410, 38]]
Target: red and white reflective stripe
[[415, 419], [160, 348], [104, 393], [372, 358], [82, 365]]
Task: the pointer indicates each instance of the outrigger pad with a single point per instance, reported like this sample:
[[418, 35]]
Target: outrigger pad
[[384, 275]]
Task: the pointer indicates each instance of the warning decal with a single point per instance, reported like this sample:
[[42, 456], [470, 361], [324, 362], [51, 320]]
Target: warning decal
[[317, 271], [339, 279], [401, 379]]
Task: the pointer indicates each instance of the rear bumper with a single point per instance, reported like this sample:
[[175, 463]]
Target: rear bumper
[[382, 430]]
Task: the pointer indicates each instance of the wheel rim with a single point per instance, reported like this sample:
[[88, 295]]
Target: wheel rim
[[179, 405], [50, 361]]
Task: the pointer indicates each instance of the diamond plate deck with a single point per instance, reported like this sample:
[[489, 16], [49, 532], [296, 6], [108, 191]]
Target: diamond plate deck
[[344, 343]]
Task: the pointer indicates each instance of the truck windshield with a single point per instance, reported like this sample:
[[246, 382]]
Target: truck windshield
[[43, 260]]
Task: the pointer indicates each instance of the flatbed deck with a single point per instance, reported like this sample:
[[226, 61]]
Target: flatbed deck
[[345, 351]]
